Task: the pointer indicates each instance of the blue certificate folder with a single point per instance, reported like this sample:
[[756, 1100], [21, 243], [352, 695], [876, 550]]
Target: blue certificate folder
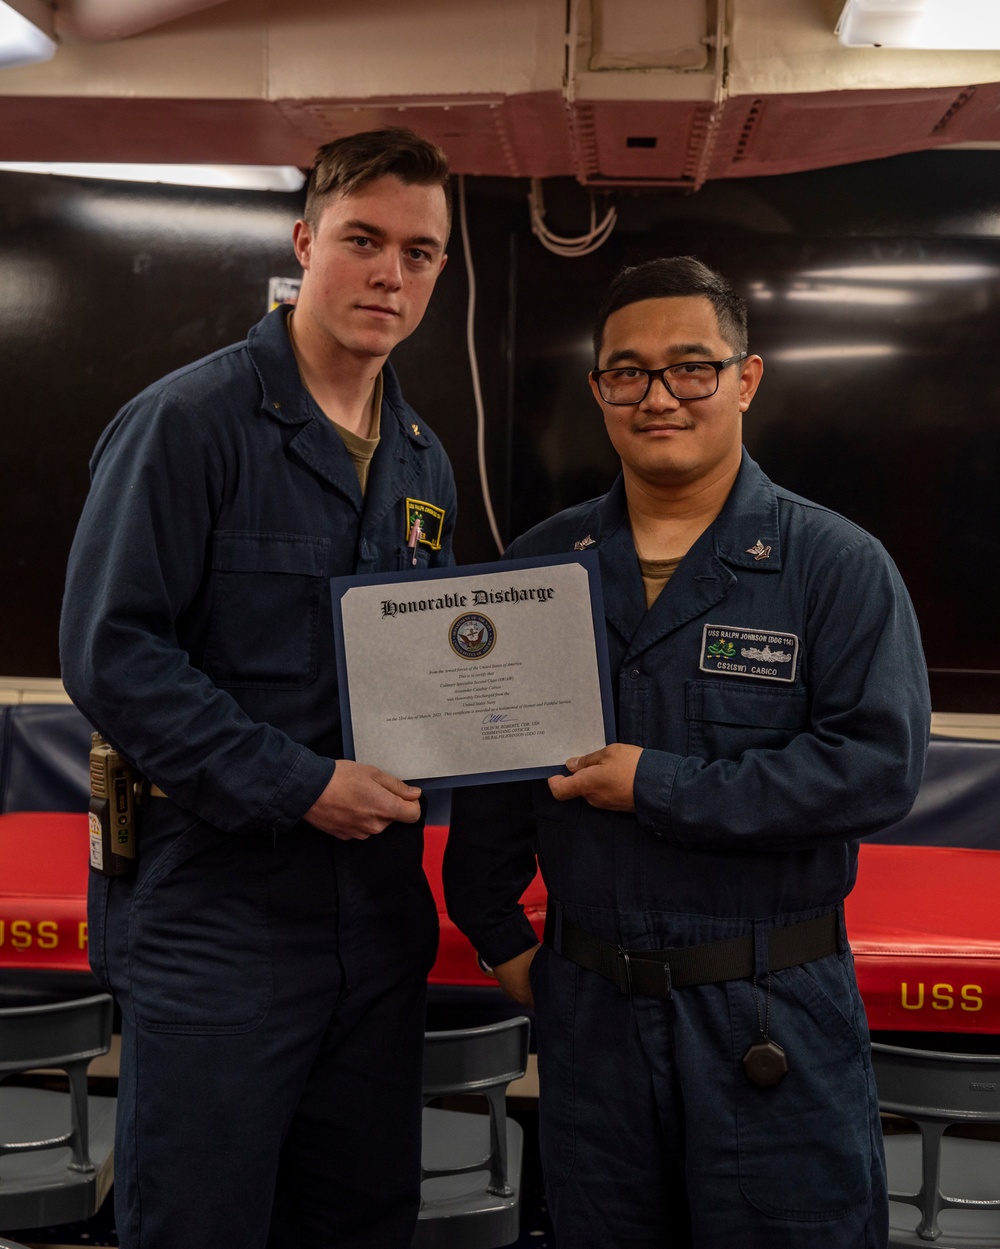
[[407, 580]]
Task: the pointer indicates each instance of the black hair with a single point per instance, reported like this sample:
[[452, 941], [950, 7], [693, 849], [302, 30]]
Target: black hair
[[669, 277]]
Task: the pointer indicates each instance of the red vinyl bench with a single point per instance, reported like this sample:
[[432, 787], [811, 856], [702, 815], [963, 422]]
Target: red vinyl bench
[[924, 922]]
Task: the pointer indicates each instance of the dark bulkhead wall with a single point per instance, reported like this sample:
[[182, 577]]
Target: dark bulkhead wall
[[874, 296]]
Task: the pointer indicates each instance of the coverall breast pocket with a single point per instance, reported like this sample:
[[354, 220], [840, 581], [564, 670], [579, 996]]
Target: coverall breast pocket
[[805, 1147], [265, 609], [725, 718], [414, 560], [199, 948]]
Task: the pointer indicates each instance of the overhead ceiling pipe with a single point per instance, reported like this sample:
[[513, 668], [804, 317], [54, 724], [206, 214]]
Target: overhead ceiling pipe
[[95, 20]]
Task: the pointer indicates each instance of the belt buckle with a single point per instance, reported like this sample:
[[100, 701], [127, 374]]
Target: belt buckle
[[623, 954]]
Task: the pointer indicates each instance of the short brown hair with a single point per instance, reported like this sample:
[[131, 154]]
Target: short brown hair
[[672, 276], [345, 165]]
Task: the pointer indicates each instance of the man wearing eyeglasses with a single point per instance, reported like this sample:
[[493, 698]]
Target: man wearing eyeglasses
[[703, 1053]]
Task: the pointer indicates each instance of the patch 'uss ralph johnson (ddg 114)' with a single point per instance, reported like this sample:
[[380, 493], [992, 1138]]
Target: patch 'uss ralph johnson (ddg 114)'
[[429, 522], [738, 651]]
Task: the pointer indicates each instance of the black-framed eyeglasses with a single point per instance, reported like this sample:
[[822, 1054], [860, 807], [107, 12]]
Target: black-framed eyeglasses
[[694, 379]]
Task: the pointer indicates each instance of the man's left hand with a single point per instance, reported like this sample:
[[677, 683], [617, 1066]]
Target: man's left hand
[[605, 778]]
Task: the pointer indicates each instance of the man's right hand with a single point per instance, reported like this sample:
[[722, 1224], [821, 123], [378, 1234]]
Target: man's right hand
[[361, 800], [512, 977]]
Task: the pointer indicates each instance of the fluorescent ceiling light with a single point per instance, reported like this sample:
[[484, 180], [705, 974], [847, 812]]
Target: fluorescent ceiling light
[[843, 294], [844, 351], [952, 25], [945, 272], [201, 219], [234, 177], [25, 33]]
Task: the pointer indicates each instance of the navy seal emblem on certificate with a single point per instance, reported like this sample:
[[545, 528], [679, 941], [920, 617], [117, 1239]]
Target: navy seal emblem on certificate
[[452, 676], [736, 651], [472, 636]]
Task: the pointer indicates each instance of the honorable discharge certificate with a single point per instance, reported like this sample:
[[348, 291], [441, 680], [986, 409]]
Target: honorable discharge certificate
[[455, 675]]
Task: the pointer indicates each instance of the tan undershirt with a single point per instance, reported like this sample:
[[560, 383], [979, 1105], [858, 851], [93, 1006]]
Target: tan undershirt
[[655, 575], [361, 449]]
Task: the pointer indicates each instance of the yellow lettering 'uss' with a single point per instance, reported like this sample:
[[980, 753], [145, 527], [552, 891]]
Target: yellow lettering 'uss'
[[22, 934], [942, 997]]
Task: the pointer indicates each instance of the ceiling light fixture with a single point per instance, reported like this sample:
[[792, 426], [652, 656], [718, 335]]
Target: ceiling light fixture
[[839, 351], [853, 295], [26, 30], [924, 271], [230, 177], [942, 25]]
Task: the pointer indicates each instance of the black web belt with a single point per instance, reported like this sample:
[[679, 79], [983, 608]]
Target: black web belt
[[656, 973]]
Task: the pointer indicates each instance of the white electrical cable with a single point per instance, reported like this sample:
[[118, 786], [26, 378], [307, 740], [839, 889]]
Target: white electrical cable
[[584, 244], [581, 246], [470, 321]]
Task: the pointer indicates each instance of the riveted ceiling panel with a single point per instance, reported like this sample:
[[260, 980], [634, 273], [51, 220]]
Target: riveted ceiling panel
[[66, 128], [536, 134], [540, 134], [973, 116], [641, 142], [512, 136], [781, 134]]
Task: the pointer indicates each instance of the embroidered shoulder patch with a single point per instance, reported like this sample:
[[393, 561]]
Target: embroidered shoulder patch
[[428, 518], [735, 651]]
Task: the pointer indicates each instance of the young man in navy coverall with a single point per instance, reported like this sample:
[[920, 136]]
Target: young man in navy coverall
[[772, 707], [269, 954]]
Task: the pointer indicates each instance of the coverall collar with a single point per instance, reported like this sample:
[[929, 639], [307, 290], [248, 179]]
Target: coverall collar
[[743, 536], [317, 444], [746, 530]]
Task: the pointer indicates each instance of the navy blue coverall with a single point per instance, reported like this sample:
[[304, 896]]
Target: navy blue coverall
[[271, 978], [778, 689]]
